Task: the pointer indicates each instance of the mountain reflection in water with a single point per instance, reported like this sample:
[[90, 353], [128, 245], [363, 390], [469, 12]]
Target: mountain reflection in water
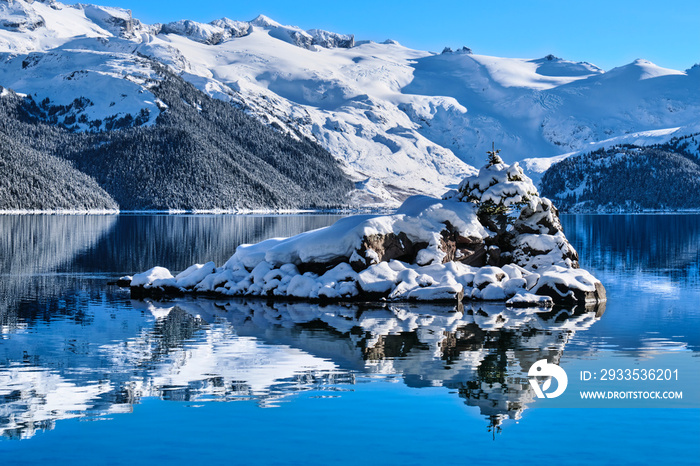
[[199, 350]]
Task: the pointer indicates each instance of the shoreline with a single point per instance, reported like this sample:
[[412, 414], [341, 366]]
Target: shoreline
[[455, 305], [253, 212], [197, 211]]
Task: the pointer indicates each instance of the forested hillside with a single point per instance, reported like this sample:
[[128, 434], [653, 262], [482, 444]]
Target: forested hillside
[[34, 180], [202, 153], [626, 178]]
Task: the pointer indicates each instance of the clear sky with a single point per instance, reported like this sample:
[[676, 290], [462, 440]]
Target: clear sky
[[607, 33]]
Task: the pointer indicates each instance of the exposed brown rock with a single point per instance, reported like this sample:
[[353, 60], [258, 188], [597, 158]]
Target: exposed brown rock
[[385, 247], [468, 250]]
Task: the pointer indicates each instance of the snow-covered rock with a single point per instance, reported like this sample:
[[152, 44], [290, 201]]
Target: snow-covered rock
[[156, 277], [214, 33], [494, 239], [330, 40]]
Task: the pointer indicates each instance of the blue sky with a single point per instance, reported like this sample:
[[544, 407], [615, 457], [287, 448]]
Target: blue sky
[[607, 33]]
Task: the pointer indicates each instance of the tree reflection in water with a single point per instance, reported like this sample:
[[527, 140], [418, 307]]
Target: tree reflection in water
[[199, 350]]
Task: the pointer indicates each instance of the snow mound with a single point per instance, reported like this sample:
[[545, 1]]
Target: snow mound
[[641, 69], [154, 278], [555, 66], [420, 218], [494, 239]]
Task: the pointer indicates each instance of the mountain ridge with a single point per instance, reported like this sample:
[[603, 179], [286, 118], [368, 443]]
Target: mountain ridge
[[200, 154], [400, 121]]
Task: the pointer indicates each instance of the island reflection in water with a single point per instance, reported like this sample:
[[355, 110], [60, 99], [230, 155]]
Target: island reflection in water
[[72, 347], [199, 350]]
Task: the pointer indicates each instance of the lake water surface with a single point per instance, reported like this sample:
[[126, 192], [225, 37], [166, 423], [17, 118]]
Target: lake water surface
[[89, 376]]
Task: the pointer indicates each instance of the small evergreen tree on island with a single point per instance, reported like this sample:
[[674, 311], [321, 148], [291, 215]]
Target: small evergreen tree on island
[[500, 191], [494, 158]]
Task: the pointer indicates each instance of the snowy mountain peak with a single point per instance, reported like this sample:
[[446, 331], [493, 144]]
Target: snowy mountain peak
[[464, 49], [265, 22], [331, 40], [230, 23], [213, 33], [118, 21], [304, 39], [641, 69]]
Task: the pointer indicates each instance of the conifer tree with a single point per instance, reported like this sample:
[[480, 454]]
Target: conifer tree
[[494, 158]]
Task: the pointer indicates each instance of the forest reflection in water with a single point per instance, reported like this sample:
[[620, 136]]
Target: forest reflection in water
[[199, 350]]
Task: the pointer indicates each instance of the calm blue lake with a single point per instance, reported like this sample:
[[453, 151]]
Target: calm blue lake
[[89, 376]]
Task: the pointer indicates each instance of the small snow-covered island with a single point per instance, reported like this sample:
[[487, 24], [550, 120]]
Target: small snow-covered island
[[492, 239]]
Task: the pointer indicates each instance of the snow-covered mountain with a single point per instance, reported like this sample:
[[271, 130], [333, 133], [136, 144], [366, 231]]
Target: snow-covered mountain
[[402, 121]]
